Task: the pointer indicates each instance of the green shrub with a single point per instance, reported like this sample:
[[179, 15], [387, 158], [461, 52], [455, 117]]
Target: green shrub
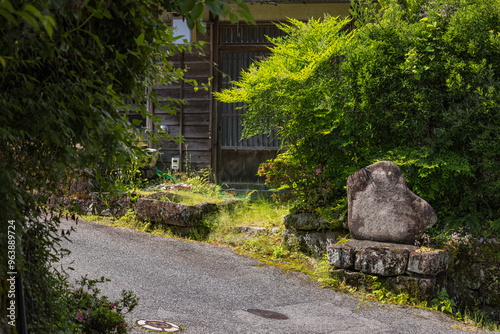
[[96, 314], [69, 68], [417, 83]]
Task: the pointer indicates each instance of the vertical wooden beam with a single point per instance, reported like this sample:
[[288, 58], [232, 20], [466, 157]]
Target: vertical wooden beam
[[211, 103], [215, 112], [149, 109], [181, 113]]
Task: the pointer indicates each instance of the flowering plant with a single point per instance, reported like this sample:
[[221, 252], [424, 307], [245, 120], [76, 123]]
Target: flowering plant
[[308, 186], [95, 313]]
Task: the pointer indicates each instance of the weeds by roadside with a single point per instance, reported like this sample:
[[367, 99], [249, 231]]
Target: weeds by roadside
[[254, 228], [95, 313]]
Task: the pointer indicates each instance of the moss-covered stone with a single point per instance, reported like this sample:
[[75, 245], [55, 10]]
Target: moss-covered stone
[[352, 278], [418, 288], [305, 221], [309, 242], [381, 261], [341, 256], [473, 279], [429, 262]]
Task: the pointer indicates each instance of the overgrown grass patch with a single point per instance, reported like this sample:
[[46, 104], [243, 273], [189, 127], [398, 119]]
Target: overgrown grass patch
[[262, 240]]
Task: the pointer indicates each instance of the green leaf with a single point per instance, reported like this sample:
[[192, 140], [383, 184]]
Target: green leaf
[[120, 57], [107, 14], [35, 12], [246, 16], [197, 11], [214, 7], [201, 26], [8, 15], [49, 23], [30, 19], [140, 40], [7, 5], [187, 6], [233, 18]]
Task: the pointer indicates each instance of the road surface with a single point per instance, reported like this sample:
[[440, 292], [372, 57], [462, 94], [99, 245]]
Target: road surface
[[208, 289]]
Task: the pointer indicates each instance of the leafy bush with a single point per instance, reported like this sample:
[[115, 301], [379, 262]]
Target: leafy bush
[[69, 68], [444, 303], [308, 186], [417, 83], [96, 314]]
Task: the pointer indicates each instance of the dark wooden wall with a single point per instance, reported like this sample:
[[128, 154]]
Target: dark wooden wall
[[192, 120], [212, 130]]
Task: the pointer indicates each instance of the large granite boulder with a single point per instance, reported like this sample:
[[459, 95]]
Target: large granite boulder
[[382, 208]]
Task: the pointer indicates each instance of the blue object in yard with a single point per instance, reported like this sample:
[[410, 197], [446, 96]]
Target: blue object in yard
[[164, 175]]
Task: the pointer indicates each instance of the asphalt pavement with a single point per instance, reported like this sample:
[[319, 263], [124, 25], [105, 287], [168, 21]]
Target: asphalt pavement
[[209, 289]]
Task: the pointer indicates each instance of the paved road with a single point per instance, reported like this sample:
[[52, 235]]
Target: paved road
[[207, 289]]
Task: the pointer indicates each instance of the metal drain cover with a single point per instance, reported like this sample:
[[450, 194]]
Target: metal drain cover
[[158, 326], [268, 314]]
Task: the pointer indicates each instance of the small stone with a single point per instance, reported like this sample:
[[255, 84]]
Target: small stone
[[167, 213], [340, 256], [207, 208], [311, 242], [304, 221], [382, 208], [337, 274], [422, 288], [352, 278], [290, 239], [79, 186], [105, 212], [90, 209], [118, 206], [229, 204], [251, 230], [428, 262], [274, 230], [381, 261]]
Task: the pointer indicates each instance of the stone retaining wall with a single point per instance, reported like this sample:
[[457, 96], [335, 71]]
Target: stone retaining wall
[[309, 233], [403, 268], [178, 217], [111, 206]]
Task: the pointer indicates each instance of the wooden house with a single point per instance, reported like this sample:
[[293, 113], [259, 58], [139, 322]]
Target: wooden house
[[212, 130]]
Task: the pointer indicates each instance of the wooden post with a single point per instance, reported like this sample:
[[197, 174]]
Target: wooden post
[[149, 121], [181, 113], [214, 110]]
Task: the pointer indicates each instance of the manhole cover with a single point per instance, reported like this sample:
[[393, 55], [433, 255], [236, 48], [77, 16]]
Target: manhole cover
[[268, 314], [158, 326]]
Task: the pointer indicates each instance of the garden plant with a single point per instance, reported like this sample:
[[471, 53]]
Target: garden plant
[[415, 82], [69, 73]]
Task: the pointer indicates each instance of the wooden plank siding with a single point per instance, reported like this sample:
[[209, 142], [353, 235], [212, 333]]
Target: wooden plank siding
[[192, 120], [212, 130]]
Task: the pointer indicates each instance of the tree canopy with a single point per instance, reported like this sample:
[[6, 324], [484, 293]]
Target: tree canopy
[[68, 69], [416, 82]]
